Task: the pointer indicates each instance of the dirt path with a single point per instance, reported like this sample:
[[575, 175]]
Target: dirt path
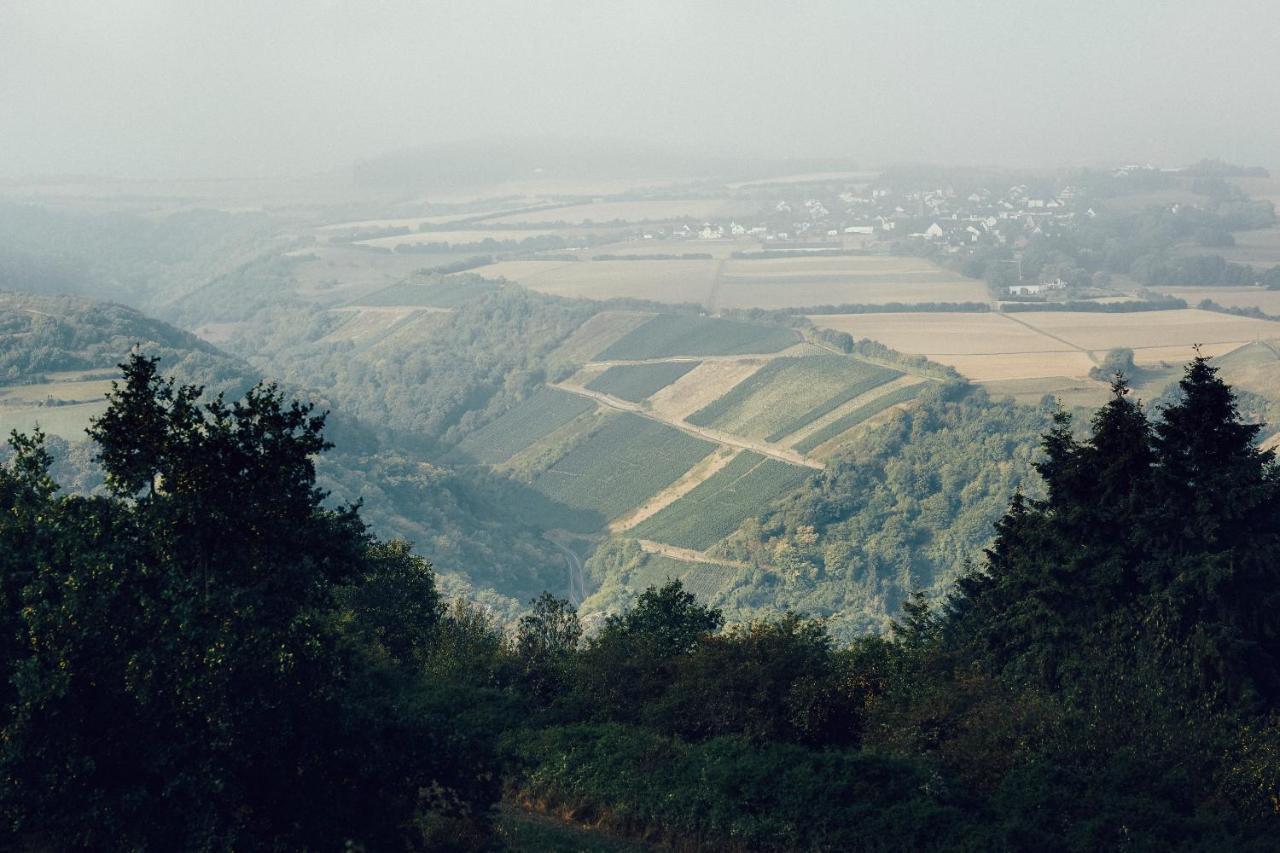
[[781, 454], [689, 481], [1042, 332], [689, 555], [577, 580]]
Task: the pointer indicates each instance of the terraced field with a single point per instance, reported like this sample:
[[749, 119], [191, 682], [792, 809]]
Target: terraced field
[[636, 382], [668, 335], [859, 415], [704, 580], [542, 413], [621, 464], [598, 333], [788, 393], [447, 293], [716, 507]]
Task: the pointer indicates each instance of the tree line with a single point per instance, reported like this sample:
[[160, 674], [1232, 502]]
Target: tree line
[[205, 657]]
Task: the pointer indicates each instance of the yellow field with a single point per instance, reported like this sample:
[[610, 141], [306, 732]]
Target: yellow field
[[1253, 367], [661, 281], [413, 222], [1175, 355], [942, 334], [1066, 364], [655, 210], [1231, 297], [720, 283], [1095, 331], [856, 279], [463, 237]]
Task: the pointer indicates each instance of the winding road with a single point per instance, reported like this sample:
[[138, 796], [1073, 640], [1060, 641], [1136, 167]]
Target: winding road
[[577, 580]]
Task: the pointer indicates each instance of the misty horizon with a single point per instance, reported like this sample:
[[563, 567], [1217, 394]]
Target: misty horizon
[[145, 90]]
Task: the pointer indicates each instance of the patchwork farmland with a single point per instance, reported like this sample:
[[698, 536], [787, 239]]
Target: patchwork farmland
[[676, 428], [717, 281]]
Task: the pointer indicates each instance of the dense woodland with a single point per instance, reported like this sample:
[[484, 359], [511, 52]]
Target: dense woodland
[[1106, 676]]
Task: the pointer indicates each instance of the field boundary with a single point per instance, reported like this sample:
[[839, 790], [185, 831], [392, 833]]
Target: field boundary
[[781, 454]]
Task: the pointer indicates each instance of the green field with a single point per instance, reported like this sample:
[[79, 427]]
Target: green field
[[447, 293], [68, 422], [718, 505], [704, 580], [624, 462], [858, 415], [669, 335], [788, 393], [635, 382], [543, 412]]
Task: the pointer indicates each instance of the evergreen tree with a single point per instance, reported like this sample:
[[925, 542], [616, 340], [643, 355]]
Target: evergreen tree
[[195, 661]]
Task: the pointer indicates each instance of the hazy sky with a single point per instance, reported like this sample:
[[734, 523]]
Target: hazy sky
[[153, 88]]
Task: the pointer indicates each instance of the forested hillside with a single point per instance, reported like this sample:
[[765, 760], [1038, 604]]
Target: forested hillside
[[60, 354]]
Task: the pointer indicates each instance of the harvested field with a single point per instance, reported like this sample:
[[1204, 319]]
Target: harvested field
[[1096, 331], [853, 279], [643, 210], [943, 334], [1176, 355], [1023, 365], [673, 282]]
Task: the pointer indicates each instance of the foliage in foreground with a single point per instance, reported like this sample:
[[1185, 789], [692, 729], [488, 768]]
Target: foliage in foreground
[[207, 659]]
